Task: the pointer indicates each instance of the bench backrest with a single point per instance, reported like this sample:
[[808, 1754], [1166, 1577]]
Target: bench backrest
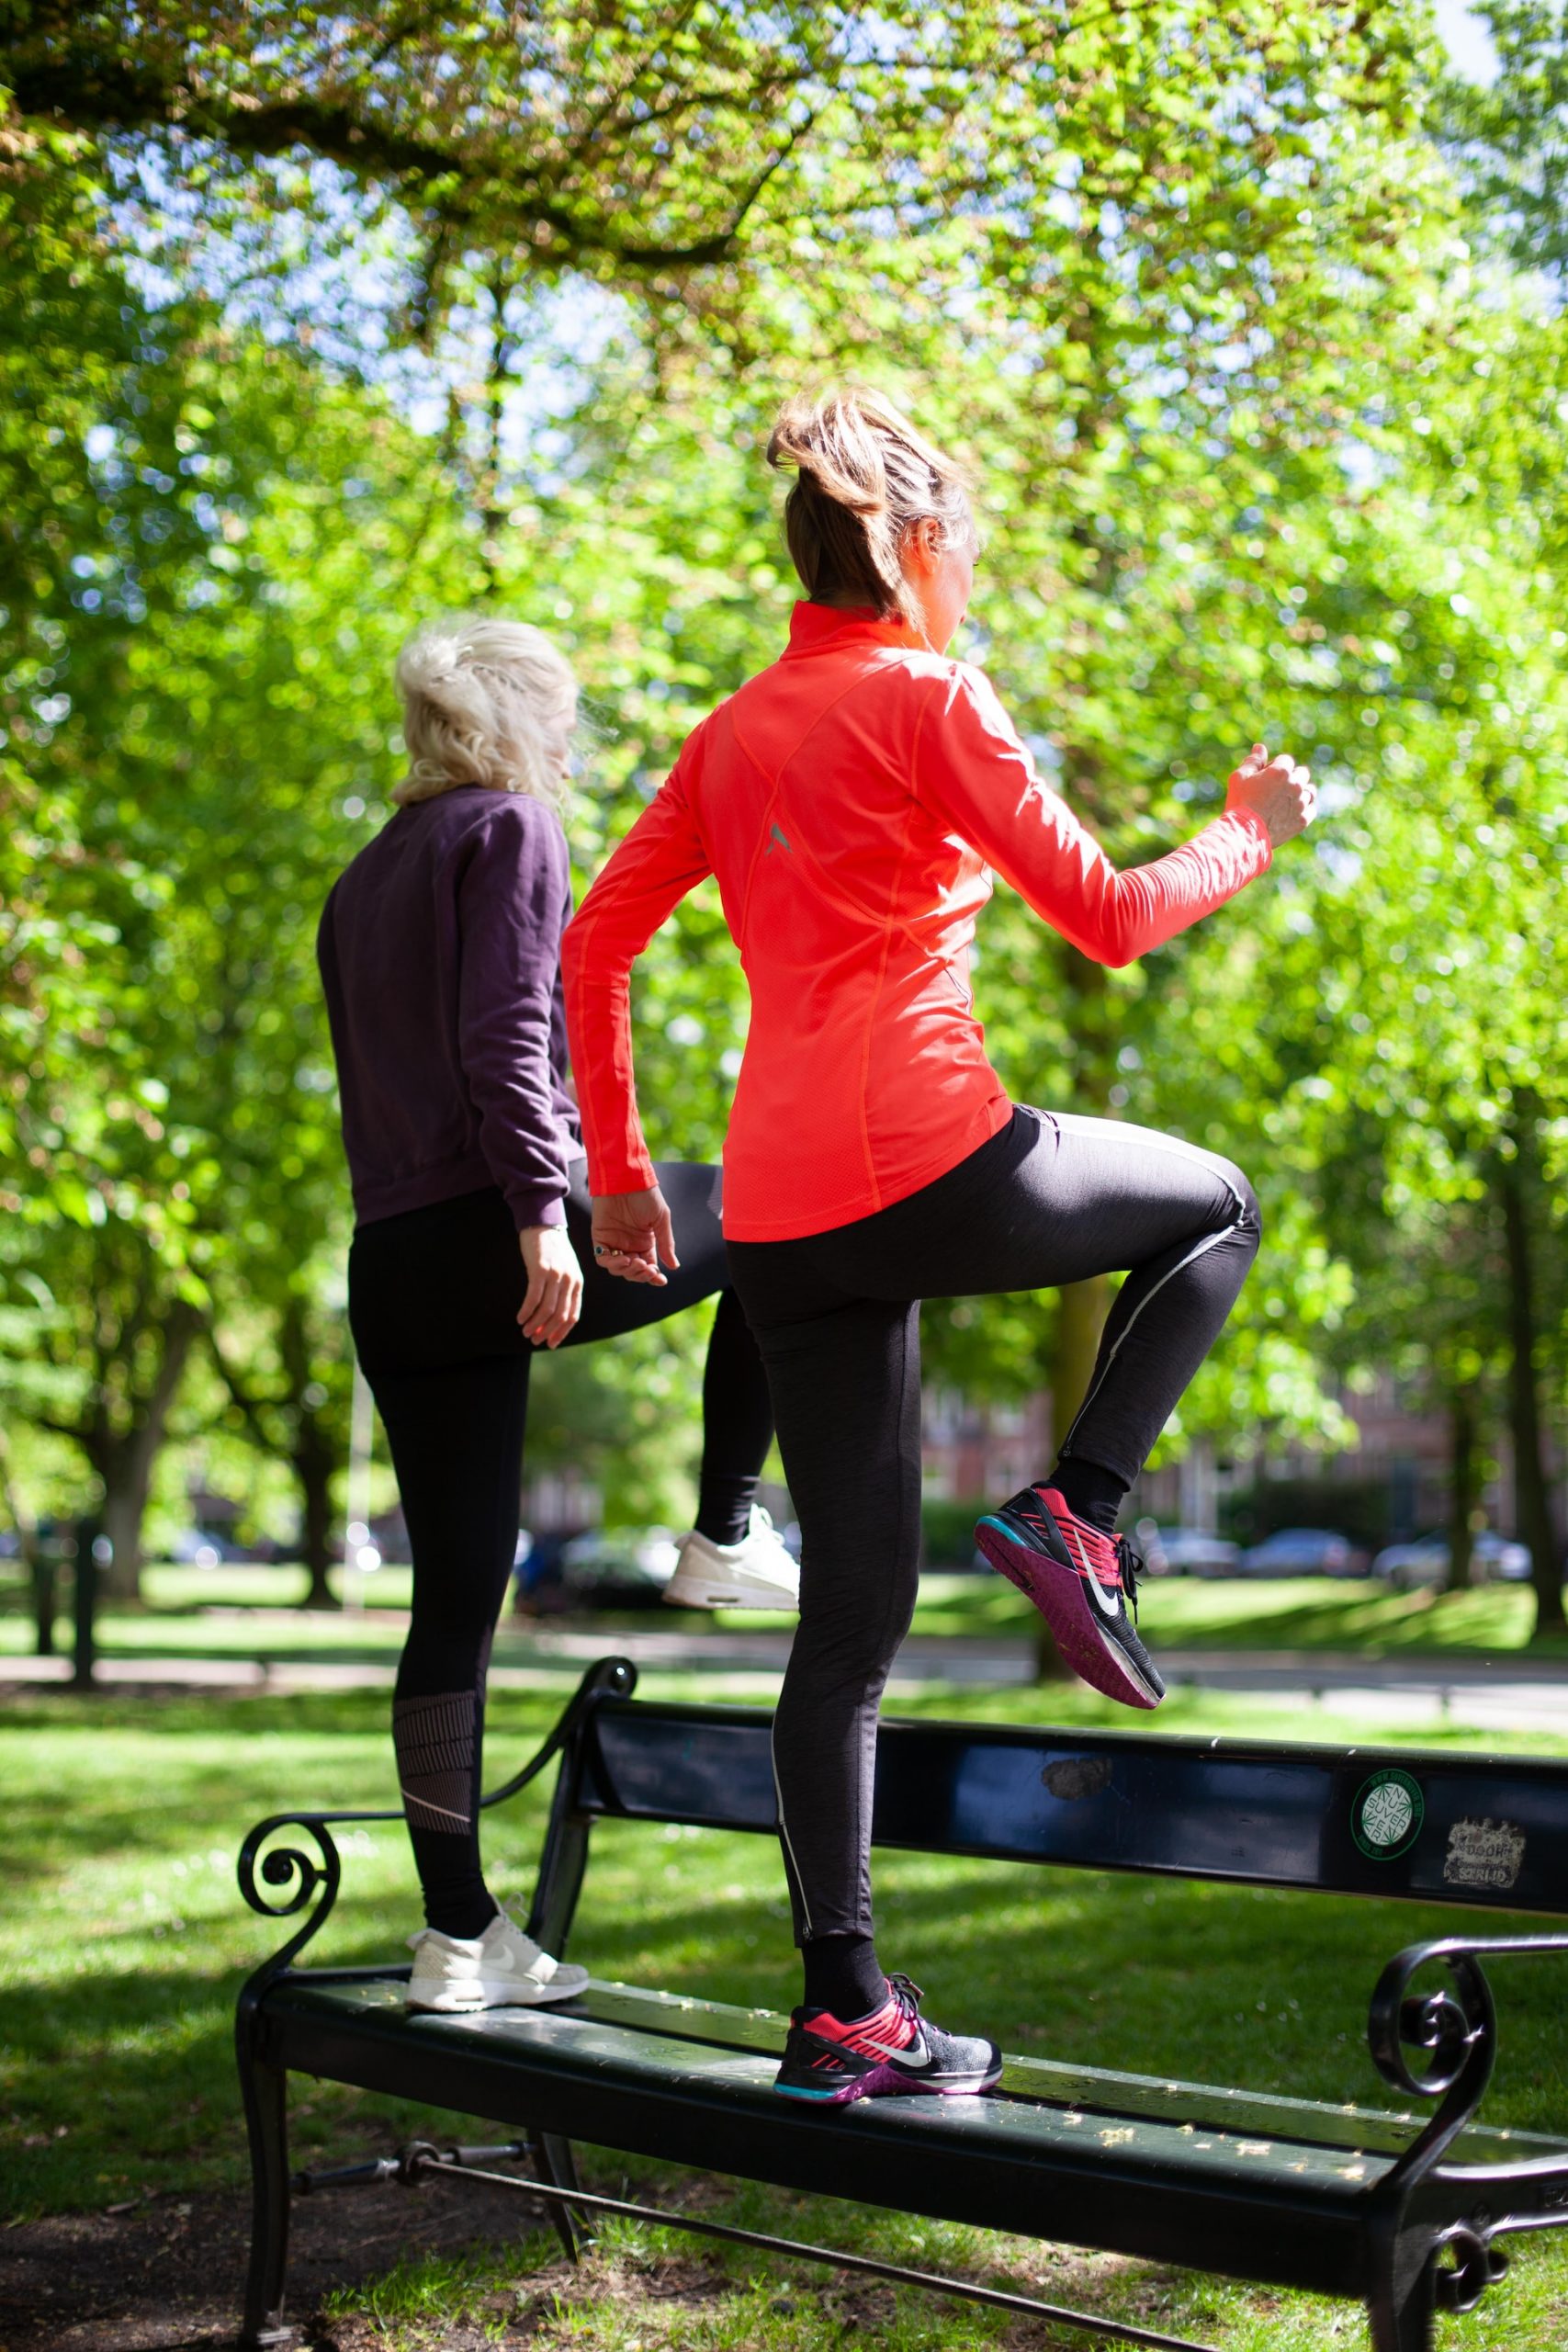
[[1491, 1830]]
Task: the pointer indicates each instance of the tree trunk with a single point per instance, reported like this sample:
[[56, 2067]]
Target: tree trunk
[[1531, 1491], [313, 1464], [125, 1460], [311, 1457], [1464, 1484], [124, 1466]]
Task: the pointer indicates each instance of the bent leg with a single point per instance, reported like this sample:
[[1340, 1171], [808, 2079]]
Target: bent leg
[[1050, 1201], [1055, 1198], [738, 1419], [738, 1426], [1175, 1303]]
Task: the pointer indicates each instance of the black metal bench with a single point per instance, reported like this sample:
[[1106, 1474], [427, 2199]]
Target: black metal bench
[[1401, 2215]]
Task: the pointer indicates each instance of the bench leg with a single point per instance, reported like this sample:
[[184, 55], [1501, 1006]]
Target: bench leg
[[1403, 2303], [267, 2122], [555, 2165]]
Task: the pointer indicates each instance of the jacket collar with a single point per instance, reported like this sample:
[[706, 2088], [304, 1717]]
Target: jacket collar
[[813, 627]]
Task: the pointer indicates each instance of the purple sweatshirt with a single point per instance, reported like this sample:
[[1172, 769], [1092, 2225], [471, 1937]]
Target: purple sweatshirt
[[440, 956]]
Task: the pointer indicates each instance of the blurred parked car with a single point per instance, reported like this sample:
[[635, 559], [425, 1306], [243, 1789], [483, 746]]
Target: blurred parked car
[[1184, 1551], [194, 1547], [1426, 1559], [1302, 1552], [616, 1567]]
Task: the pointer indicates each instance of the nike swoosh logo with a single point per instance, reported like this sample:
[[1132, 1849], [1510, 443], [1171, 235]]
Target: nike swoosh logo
[[1110, 1602], [911, 2062]]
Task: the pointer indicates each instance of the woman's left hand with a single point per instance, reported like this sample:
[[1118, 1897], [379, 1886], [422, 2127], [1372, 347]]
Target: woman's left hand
[[631, 1233]]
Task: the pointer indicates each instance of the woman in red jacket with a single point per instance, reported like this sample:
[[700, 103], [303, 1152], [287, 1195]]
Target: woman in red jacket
[[849, 801]]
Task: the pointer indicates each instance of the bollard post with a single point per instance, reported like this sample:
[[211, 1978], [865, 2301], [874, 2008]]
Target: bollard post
[[90, 1540], [42, 1569]]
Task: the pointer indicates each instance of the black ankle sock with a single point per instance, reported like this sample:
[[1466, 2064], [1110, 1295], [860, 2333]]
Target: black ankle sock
[[1090, 1492], [842, 1976], [469, 1916], [724, 1506]]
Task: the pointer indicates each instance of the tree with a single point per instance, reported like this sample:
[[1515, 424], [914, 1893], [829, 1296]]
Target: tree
[[1413, 1006], [1182, 283]]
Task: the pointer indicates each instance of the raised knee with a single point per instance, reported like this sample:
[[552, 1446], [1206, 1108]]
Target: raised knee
[[1249, 1215]]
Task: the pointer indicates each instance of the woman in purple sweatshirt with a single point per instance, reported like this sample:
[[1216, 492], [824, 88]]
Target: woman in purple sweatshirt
[[440, 949]]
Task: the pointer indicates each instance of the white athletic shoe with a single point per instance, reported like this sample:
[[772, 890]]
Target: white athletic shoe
[[756, 1573], [501, 1969]]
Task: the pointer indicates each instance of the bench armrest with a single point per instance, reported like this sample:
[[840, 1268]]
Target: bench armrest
[[1459, 2027], [303, 1878]]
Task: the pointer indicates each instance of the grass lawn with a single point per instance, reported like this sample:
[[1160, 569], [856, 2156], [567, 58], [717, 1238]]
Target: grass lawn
[[124, 1939], [252, 1612], [1353, 1615]]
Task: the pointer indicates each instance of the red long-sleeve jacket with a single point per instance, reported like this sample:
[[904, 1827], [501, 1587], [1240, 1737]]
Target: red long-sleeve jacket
[[849, 801]]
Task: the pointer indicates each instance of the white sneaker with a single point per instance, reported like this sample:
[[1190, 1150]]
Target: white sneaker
[[756, 1573], [501, 1969]]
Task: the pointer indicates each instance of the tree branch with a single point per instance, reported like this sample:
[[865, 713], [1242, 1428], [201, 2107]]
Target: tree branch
[[77, 1435], [94, 95]]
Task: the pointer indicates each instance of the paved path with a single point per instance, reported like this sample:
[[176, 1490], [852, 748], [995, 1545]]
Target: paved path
[[1503, 1694]]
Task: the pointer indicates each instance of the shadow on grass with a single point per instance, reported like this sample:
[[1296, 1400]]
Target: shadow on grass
[[130, 2085]]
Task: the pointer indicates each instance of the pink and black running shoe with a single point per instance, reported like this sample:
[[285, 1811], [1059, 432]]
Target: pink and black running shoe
[[1081, 1582], [890, 2053]]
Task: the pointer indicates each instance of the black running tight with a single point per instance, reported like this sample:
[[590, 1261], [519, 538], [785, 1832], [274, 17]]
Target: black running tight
[[433, 1301], [1049, 1200]]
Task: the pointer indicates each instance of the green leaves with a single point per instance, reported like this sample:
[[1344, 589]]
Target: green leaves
[[1269, 442]]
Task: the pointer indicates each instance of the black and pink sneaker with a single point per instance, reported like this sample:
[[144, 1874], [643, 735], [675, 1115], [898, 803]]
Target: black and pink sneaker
[[891, 2053], [1080, 1581]]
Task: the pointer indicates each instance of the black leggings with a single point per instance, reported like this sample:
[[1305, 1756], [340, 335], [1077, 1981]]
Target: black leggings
[[1049, 1200], [432, 1299]]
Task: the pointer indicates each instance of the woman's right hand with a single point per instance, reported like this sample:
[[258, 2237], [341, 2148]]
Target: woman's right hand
[[553, 1300], [1279, 790], [631, 1233]]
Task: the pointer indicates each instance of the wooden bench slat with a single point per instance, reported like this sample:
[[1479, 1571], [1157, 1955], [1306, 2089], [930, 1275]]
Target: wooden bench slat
[[1106, 2091], [605, 2036], [1140, 2188]]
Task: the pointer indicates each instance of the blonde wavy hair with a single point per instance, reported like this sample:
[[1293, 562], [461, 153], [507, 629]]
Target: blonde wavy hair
[[487, 702]]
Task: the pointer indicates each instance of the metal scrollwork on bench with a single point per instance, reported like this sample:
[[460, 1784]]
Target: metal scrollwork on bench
[[302, 1877], [1478, 2263], [1459, 2028], [608, 1678], [1457, 2033]]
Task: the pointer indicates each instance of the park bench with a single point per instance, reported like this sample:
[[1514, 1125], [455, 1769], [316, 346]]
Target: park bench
[[1403, 2215]]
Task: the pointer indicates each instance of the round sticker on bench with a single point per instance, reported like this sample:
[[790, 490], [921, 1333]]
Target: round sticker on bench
[[1387, 1814]]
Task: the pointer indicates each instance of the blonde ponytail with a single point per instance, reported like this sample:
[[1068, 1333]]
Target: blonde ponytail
[[865, 476]]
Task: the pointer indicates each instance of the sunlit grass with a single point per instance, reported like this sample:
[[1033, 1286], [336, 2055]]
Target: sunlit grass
[[254, 1612]]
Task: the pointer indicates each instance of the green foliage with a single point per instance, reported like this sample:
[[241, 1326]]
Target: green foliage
[[1509, 137], [1268, 429], [947, 1530]]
